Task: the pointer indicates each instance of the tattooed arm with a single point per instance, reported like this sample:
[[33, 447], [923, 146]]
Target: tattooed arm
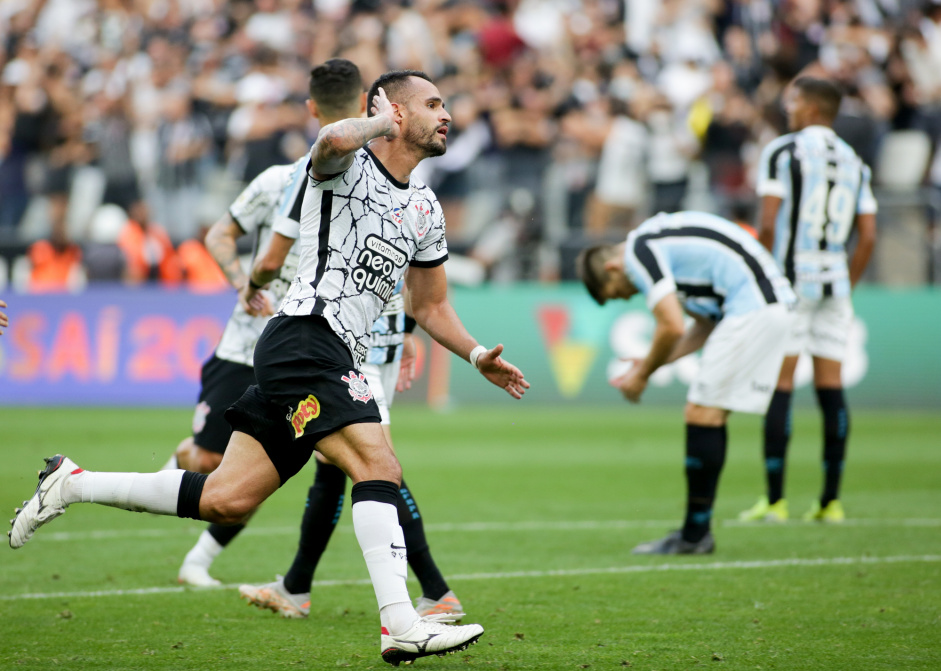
[[333, 151], [220, 241]]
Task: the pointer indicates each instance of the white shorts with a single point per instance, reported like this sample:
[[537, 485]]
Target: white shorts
[[382, 379], [741, 361], [821, 327]]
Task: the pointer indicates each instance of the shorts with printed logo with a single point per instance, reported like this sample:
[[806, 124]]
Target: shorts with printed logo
[[307, 387], [222, 383], [822, 327], [741, 360]]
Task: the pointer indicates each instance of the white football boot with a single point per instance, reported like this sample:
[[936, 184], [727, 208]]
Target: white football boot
[[277, 599], [47, 502], [428, 636]]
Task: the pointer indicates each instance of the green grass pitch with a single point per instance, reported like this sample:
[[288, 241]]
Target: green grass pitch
[[531, 512]]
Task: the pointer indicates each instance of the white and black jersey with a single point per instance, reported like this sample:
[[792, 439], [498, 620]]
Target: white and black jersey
[[823, 185], [387, 337], [270, 203], [359, 231]]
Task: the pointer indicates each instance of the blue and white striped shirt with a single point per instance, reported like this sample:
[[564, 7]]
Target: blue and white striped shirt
[[823, 185], [388, 332], [714, 266]]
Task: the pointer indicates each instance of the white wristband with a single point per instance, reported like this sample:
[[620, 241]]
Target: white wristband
[[475, 354]]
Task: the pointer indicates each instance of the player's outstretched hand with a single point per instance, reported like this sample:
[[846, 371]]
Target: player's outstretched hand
[[4, 321], [382, 107], [502, 373], [409, 357]]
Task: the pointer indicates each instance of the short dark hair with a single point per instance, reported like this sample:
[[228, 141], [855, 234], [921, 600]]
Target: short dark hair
[[336, 85], [395, 83], [822, 92], [589, 268]]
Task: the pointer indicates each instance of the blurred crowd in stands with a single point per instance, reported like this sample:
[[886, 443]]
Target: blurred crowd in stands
[[127, 126]]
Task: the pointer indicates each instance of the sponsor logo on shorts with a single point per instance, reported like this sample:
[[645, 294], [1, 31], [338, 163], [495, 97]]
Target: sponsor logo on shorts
[[359, 390], [307, 410], [760, 388], [199, 416]]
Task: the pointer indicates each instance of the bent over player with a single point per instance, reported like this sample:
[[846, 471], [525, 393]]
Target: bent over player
[[815, 191], [364, 222], [741, 309]]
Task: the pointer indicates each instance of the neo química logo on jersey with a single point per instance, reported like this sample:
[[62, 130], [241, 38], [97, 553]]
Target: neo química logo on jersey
[[376, 264]]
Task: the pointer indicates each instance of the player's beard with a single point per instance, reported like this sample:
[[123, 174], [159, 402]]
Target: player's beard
[[427, 140]]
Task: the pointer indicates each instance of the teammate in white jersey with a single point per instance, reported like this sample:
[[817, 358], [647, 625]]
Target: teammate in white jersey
[[815, 192], [364, 222], [741, 308], [262, 209]]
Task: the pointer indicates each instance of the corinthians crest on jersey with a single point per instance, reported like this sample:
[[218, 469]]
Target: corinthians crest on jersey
[[359, 232]]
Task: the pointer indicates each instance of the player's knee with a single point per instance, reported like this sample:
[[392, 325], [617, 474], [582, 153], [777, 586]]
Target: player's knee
[[184, 454], [386, 461], [395, 470], [381, 465], [206, 461], [225, 508], [224, 512], [786, 376], [702, 415]]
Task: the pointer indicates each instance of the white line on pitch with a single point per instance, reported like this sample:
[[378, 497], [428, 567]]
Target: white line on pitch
[[470, 527], [714, 566]]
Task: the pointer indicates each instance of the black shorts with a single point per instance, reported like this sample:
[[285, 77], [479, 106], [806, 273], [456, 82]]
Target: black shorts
[[222, 384], [307, 388]]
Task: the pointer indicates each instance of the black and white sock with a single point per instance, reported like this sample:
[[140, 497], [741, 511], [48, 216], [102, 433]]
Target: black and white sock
[[158, 493], [375, 521]]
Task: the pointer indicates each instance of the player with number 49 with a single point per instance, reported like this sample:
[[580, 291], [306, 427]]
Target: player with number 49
[[815, 192]]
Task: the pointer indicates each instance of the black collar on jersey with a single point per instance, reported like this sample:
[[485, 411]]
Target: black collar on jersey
[[382, 169]]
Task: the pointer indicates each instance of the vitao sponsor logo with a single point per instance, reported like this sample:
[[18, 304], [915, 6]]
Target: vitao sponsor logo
[[378, 262]]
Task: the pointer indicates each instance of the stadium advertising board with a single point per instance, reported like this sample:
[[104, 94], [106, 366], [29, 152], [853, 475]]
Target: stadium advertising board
[[110, 346], [568, 347], [145, 347]]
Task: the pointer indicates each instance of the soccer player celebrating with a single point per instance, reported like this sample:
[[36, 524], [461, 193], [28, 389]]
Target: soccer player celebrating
[[815, 191], [269, 208], [364, 222], [740, 304]]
